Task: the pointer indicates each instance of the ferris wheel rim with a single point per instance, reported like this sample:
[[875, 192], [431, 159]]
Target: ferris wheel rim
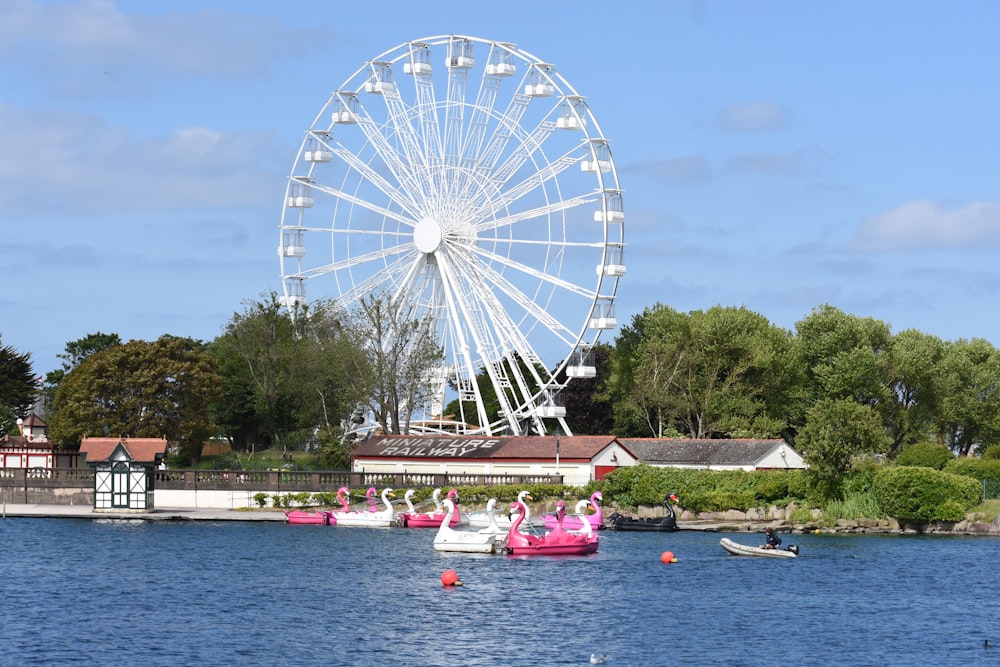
[[457, 248]]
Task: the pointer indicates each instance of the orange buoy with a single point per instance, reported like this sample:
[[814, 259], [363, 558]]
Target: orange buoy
[[450, 578], [668, 557]]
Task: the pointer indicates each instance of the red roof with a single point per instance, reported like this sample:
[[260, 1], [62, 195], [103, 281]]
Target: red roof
[[582, 447], [142, 450]]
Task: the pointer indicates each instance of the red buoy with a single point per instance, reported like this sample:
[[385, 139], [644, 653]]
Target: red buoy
[[450, 578], [668, 557]]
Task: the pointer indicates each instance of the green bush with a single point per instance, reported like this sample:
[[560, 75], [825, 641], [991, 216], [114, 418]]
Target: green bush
[[925, 454], [978, 469], [704, 490], [260, 499], [861, 477], [991, 453], [922, 494]]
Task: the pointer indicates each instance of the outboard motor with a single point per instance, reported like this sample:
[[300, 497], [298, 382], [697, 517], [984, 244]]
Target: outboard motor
[[793, 548]]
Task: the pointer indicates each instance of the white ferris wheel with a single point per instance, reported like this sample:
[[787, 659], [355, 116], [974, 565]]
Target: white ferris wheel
[[470, 182]]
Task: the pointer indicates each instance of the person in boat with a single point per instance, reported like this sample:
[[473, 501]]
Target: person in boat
[[771, 538]]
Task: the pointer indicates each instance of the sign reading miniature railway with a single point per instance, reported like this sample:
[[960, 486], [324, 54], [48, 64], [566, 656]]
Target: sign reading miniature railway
[[431, 447]]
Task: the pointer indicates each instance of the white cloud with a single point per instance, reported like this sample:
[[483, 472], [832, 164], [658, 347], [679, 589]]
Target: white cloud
[[54, 162], [60, 41], [808, 160], [923, 224], [753, 117]]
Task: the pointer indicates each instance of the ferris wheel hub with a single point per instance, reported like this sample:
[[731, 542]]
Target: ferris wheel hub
[[427, 235]]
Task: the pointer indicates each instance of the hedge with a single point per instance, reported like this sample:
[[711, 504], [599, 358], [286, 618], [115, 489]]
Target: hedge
[[924, 494]]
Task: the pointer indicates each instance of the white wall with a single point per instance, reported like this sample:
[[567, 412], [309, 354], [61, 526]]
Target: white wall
[[171, 498]]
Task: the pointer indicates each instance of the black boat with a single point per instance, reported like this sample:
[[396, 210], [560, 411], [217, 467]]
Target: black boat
[[666, 523]]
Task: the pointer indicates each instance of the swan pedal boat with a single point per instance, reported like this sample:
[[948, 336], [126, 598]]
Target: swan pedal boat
[[489, 517], [486, 541], [737, 549], [666, 523], [381, 519]]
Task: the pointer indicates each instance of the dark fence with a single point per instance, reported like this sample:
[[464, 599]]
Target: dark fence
[[330, 480], [274, 481]]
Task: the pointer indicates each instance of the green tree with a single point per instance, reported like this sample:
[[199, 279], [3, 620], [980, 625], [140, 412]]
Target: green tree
[[915, 358], [75, 352], [407, 360], [288, 376], [589, 410], [18, 385], [836, 431], [968, 382], [721, 372], [8, 421], [140, 389]]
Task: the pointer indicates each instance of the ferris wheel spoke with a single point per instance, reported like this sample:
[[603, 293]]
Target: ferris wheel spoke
[[376, 281], [482, 111], [535, 273], [504, 199], [396, 164], [531, 214], [427, 113], [359, 260], [528, 146], [501, 138], [509, 346], [357, 201], [463, 326], [399, 197], [536, 311], [417, 157]]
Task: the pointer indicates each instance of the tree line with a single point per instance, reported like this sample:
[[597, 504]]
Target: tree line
[[837, 387]]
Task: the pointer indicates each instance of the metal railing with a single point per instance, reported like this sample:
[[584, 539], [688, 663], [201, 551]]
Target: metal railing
[[267, 480]]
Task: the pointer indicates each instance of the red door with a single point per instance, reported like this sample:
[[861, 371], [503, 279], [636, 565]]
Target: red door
[[601, 471]]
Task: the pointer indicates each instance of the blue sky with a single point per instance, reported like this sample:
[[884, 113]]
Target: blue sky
[[776, 155]]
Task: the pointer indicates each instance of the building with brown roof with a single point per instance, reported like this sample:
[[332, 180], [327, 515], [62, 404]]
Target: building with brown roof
[[123, 471], [716, 454], [578, 459]]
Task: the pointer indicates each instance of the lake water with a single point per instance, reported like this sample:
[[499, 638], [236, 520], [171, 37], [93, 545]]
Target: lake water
[[239, 593]]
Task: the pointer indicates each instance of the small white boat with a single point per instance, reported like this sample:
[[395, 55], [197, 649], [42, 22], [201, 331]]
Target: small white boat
[[486, 541], [791, 551]]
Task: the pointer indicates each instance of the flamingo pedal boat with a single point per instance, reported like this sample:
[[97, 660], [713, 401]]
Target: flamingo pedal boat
[[318, 517], [414, 519], [575, 522], [737, 549], [559, 542]]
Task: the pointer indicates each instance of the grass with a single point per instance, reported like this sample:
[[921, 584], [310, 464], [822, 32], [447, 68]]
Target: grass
[[265, 459], [987, 511]]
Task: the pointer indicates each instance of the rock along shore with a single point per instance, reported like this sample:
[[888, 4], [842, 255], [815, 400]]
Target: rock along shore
[[731, 521], [756, 521]]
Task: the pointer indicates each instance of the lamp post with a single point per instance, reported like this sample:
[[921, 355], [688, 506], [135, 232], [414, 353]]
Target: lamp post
[[558, 433]]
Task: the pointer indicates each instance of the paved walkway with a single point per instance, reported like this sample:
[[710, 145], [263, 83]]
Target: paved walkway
[[159, 514]]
